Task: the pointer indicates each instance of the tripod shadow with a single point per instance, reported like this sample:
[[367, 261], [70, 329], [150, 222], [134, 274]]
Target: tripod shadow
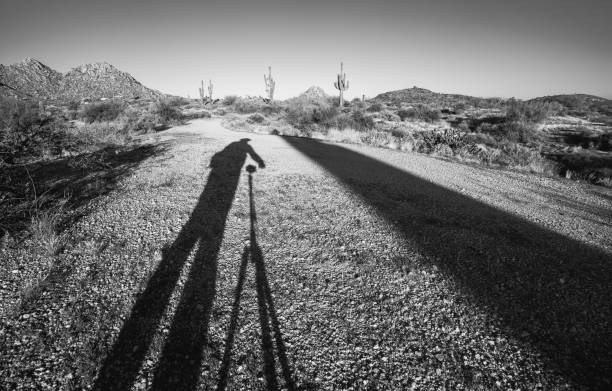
[[179, 365], [268, 320]]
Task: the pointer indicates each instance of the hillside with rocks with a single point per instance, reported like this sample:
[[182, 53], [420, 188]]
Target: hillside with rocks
[[314, 93], [29, 78], [35, 80], [422, 96]]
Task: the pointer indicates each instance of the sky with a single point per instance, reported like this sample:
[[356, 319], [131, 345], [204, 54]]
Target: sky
[[519, 48]]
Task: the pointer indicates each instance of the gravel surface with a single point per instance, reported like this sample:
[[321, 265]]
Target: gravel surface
[[367, 269]]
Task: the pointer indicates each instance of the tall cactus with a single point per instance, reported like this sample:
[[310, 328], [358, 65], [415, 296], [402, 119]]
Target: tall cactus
[[341, 84], [270, 84], [203, 96]]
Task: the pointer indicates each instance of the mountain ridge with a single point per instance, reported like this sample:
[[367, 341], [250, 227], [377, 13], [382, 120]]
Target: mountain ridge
[[417, 95], [31, 79]]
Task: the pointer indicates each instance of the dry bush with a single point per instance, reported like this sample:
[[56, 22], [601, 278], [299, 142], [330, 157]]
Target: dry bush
[[44, 229], [103, 111], [247, 105], [428, 114], [256, 119], [361, 121], [308, 115], [408, 113], [230, 100], [375, 107], [167, 112], [527, 112], [91, 137], [26, 133]]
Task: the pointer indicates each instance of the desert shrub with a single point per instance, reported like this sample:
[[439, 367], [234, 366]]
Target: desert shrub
[[527, 112], [97, 135], [434, 139], [481, 138], [325, 116], [247, 106], [331, 101], [399, 133], [177, 101], [516, 132], [428, 114], [167, 112], [219, 111], [361, 122], [375, 107], [229, 100], [256, 118], [26, 133], [270, 109], [515, 155], [408, 113], [358, 103], [103, 111], [343, 121], [133, 119], [307, 114], [389, 116], [520, 132], [459, 108]]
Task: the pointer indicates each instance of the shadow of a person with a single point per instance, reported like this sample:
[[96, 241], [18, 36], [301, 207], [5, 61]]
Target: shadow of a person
[[182, 352]]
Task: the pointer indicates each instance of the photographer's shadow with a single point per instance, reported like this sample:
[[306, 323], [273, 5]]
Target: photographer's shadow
[[182, 354]]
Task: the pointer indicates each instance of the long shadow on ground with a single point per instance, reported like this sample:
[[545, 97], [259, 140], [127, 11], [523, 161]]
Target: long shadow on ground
[[59, 188], [179, 365], [268, 320], [549, 290], [79, 179]]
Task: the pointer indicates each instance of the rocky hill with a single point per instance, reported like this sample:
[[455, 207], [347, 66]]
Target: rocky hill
[[580, 103], [29, 78], [416, 96], [314, 93], [33, 79]]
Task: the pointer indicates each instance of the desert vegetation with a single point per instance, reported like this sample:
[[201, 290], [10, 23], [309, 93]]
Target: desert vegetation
[[53, 157], [557, 137]]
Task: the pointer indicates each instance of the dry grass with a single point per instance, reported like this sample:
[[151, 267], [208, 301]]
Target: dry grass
[[99, 134], [44, 227]]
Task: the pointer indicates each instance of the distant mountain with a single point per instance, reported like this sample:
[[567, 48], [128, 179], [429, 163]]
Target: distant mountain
[[314, 93], [580, 103], [33, 79], [416, 96], [574, 103], [29, 78]]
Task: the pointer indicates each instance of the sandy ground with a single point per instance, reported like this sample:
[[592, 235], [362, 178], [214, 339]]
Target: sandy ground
[[366, 269]]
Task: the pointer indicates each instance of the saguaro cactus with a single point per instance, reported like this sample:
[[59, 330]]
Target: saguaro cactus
[[341, 84], [203, 94], [270, 84]]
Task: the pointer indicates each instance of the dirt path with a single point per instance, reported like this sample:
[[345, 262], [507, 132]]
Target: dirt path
[[366, 269]]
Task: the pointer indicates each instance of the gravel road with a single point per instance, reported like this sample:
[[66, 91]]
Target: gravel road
[[364, 269]]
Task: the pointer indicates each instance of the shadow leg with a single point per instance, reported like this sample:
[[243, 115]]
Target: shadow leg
[[229, 342]]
